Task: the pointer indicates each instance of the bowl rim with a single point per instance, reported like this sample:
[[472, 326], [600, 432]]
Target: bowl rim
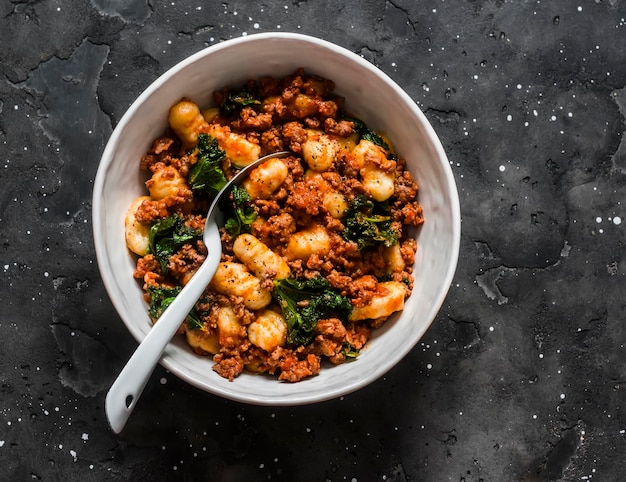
[[108, 157]]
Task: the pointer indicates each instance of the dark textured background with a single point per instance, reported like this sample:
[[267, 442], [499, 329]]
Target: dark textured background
[[522, 376]]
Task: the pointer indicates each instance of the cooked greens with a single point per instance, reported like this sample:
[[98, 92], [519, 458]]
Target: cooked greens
[[235, 99], [349, 351], [366, 133], [161, 297], [206, 174], [167, 236], [368, 223], [306, 302], [243, 213]]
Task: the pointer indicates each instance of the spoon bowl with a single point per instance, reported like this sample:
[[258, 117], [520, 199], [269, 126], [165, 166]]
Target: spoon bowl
[[126, 390]]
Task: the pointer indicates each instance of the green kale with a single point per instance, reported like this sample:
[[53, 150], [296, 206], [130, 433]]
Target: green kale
[[243, 212], [366, 133], [368, 223], [206, 174], [161, 297], [235, 99], [167, 236], [349, 351], [306, 302]]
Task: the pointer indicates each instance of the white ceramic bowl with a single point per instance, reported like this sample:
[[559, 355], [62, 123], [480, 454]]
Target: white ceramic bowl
[[370, 95]]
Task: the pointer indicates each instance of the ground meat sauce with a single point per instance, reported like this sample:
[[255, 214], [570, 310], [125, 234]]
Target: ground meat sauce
[[342, 211]]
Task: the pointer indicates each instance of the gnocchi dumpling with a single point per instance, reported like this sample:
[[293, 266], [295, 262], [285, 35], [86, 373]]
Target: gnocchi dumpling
[[228, 325], [394, 261], [165, 182], [210, 113], [320, 150], [266, 178], [187, 122], [202, 342], [378, 183], [333, 201], [136, 233], [390, 300], [260, 259], [234, 279], [268, 331], [303, 244], [238, 149]]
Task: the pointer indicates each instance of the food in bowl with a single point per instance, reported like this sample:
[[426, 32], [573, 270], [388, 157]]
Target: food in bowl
[[370, 95], [317, 246]]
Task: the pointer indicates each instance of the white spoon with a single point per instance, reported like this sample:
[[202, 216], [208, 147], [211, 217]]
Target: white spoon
[[126, 390]]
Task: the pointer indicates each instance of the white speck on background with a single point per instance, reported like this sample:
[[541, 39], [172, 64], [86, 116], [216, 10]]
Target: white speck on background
[[598, 220], [1, 443], [163, 380], [502, 168], [617, 220], [73, 454]]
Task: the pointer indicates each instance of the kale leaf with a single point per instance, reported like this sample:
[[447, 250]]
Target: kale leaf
[[206, 174], [349, 351], [167, 236], [366, 133], [243, 213], [236, 99], [306, 302], [161, 297], [368, 223]]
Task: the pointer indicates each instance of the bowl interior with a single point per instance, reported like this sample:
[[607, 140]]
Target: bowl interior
[[371, 96]]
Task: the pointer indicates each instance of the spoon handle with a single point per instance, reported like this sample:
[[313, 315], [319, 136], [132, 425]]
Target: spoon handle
[[126, 390]]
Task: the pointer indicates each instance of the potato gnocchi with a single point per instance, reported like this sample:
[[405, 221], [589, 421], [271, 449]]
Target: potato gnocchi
[[318, 247]]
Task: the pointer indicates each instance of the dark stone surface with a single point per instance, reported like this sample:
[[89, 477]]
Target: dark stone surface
[[522, 376]]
